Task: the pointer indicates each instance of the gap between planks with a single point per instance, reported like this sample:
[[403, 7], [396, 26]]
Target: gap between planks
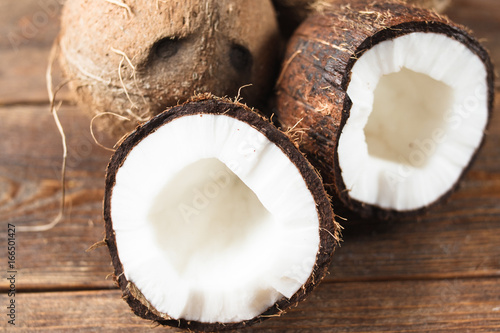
[[382, 279]]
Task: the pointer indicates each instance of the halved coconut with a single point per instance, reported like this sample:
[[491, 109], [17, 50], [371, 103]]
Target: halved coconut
[[214, 219], [395, 101]]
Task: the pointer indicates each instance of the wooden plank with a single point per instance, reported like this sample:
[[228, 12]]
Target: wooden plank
[[87, 311], [30, 191], [397, 306], [460, 238], [22, 76], [26, 35]]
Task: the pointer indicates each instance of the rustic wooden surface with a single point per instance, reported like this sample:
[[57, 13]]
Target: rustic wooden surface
[[440, 272]]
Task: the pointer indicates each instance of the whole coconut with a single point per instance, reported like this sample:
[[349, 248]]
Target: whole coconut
[[137, 57]]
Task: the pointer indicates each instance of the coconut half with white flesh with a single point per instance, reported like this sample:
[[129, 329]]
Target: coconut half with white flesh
[[394, 101], [214, 219]]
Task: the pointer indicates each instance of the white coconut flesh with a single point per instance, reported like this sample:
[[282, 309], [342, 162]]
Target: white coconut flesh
[[213, 222], [419, 111]]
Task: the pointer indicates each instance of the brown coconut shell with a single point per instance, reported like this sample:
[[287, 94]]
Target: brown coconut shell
[[207, 104], [293, 12], [165, 52], [311, 92]]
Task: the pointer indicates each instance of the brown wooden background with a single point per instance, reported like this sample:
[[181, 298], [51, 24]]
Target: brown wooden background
[[435, 273]]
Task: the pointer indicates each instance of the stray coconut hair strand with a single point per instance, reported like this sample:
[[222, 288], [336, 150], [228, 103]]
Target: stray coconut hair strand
[[92, 129], [53, 110]]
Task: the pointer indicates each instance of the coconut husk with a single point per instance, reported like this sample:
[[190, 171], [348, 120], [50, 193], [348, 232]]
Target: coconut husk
[[135, 58], [293, 12]]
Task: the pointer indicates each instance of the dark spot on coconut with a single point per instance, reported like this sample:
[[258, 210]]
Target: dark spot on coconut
[[240, 58], [166, 47]]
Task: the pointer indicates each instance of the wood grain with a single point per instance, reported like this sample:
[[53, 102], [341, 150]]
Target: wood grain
[[26, 35], [30, 192], [459, 239], [443, 243], [439, 272], [483, 17], [394, 306]]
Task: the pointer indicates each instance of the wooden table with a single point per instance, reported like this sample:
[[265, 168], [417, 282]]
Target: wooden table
[[440, 272]]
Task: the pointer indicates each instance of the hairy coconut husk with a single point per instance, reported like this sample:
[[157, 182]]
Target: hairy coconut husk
[[135, 58], [293, 12], [311, 90]]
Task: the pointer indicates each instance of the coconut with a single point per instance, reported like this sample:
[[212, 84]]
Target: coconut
[[394, 102], [214, 219], [134, 58]]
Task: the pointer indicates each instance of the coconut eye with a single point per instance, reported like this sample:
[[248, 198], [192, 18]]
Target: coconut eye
[[166, 47], [240, 58]]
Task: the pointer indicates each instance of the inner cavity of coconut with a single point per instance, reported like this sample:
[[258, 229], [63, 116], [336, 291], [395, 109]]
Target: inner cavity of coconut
[[213, 221], [419, 111]]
